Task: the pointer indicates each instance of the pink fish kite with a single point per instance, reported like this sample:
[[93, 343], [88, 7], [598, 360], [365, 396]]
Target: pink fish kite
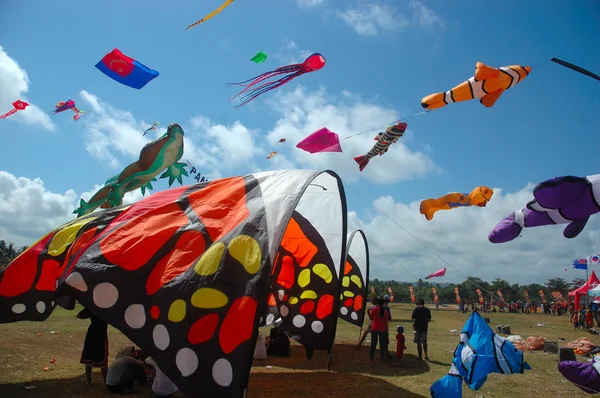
[[438, 273], [322, 140], [17, 106]]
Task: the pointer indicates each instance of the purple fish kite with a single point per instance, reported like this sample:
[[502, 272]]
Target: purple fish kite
[[322, 140], [561, 200]]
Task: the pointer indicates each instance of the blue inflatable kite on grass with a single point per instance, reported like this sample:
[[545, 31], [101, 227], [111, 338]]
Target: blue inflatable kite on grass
[[479, 353], [126, 70]]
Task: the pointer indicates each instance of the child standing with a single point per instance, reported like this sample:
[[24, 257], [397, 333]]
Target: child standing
[[589, 319], [95, 346], [400, 340], [575, 321]]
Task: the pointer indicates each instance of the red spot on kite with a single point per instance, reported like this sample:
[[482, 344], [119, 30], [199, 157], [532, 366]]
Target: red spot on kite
[[49, 275], [144, 207], [271, 300], [128, 246], [325, 306], [358, 303], [347, 268], [286, 276], [307, 307], [238, 324], [221, 205], [77, 249], [295, 241], [348, 302], [203, 329], [20, 275], [155, 312], [188, 248]]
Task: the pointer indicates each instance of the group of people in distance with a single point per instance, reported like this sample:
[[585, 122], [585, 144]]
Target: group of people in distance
[[379, 316]]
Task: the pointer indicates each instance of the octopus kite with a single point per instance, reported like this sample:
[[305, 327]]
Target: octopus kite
[[212, 14], [384, 140], [561, 200], [480, 196], [155, 157], [312, 63], [488, 84]]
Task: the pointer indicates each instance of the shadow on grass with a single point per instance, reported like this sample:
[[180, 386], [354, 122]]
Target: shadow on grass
[[322, 384], [347, 360]]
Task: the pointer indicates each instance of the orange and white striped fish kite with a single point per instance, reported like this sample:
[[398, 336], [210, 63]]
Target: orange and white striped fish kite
[[212, 14], [488, 84]]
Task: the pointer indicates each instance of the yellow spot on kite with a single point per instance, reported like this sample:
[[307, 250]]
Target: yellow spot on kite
[[345, 281], [209, 298], [304, 277], [177, 311], [210, 260], [246, 250], [63, 238], [348, 294], [308, 294], [356, 280], [323, 271], [293, 300]]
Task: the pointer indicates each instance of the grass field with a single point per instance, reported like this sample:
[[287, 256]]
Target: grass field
[[24, 353]]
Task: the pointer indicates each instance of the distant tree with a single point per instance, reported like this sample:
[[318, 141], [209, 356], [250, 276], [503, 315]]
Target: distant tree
[[557, 284], [8, 252], [577, 282]]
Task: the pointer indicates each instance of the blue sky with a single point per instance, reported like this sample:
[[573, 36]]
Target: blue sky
[[545, 126]]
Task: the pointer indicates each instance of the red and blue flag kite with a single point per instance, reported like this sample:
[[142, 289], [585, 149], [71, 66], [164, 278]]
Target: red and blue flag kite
[[126, 70], [580, 263]]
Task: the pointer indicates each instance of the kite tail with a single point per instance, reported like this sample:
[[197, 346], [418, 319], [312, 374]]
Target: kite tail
[[575, 68], [362, 161], [256, 81], [279, 71], [254, 93]]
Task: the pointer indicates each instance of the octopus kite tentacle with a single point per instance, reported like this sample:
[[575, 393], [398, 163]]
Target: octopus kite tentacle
[[313, 63]]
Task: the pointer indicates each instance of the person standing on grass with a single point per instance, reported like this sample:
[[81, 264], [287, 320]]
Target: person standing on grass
[[379, 330], [95, 346], [368, 331], [386, 301], [422, 316]]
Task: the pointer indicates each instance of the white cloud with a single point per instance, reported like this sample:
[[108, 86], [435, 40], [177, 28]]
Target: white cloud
[[290, 53], [460, 237], [14, 84], [309, 3], [372, 19], [303, 112], [28, 211]]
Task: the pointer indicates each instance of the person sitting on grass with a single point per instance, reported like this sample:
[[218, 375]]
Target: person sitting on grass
[[95, 346], [125, 370], [160, 384]]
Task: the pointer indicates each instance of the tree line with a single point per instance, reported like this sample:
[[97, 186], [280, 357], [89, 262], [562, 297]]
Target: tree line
[[422, 288], [467, 289]]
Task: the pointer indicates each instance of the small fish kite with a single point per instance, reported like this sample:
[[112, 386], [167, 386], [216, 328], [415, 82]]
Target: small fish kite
[[479, 353], [17, 106], [126, 70], [322, 140], [281, 141], [153, 127], [561, 200], [271, 155], [384, 140], [437, 274], [312, 63], [487, 84], [212, 14], [260, 57], [480, 196]]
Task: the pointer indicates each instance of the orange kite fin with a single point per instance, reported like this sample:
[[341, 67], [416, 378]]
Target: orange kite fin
[[482, 71], [490, 99]]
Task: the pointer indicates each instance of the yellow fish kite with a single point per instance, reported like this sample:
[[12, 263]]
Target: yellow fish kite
[[480, 196]]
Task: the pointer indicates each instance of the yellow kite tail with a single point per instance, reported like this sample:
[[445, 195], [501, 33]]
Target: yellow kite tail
[[212, 14]]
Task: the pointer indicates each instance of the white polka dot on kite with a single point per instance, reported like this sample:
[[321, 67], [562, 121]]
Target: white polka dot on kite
[[281, 294], [19, 308], [105, 295], [161, 338], [299, 321], [222, 372], [344, 311], [354, 316], [76, 280], [135, 316], [186, 361], [270, 319], [317, 326], [284, 311], [40, 307]]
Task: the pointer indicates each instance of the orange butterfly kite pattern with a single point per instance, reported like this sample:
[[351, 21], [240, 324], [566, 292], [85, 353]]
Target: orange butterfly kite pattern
[[488, 84], [184, 272]]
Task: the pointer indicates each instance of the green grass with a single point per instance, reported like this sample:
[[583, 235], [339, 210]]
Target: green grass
[[24, 353]]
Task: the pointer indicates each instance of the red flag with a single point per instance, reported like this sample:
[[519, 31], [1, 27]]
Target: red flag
[[118, 62]]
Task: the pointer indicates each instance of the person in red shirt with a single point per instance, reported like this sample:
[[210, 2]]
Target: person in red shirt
[[379, 330], [400, 340], [589, 319]]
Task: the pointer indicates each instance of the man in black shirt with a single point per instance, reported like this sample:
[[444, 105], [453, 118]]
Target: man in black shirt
[[422, 316]]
